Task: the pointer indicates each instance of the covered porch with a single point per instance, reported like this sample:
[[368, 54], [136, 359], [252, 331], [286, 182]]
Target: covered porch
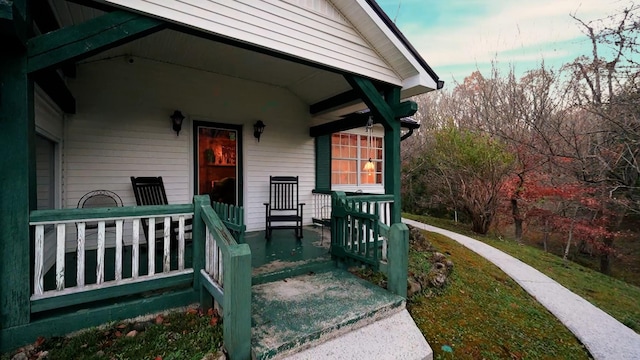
[[213, 267], [94, 85]]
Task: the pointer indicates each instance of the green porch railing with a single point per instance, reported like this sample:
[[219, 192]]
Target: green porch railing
[[221, 266], [225, 275], [57, 230], [233, 218], [359, 235]]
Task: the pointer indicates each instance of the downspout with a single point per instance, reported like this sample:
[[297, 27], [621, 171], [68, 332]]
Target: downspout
[[405, 136], [409, 124]]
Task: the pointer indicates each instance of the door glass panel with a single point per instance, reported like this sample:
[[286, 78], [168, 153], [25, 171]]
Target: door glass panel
[[218, 164]]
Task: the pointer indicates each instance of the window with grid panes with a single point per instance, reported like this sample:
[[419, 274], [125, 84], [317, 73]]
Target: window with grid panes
[[350, 153]]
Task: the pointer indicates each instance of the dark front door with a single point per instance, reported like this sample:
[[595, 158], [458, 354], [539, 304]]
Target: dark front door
[[218, 161]]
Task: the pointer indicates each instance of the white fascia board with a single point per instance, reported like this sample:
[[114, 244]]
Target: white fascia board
[[417, 85]]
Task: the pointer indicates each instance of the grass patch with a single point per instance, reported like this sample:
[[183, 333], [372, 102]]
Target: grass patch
[[482, 313], [619, 299], [180, 335]]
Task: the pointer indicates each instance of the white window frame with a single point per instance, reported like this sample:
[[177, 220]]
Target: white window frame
[[378, 132]]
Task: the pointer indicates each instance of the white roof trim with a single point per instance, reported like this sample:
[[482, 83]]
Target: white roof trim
[[423, 79]]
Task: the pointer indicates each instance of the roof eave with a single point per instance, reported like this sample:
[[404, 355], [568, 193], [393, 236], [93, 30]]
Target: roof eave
[[435, 79]]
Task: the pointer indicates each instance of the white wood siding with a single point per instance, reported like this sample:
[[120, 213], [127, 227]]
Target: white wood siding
[[45, 177], [48, 117], [122, 129], [307, 30], [285, 148]]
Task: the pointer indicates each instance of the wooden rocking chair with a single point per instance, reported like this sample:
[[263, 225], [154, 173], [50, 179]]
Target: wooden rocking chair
[[283, 205], [150, 191]]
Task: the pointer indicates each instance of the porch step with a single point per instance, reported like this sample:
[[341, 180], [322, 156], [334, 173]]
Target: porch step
[[312, 316], [395, 337], [279, 270]]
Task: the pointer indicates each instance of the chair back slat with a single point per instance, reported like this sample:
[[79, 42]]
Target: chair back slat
[[283, 192], [149, 190], [283, 207]]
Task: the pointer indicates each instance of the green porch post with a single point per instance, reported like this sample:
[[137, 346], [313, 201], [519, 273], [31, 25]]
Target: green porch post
[[398, 258], [17, 178], [392, 165]]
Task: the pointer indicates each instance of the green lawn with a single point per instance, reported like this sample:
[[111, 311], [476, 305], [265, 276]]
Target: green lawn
[[617, 298], [483, 314]]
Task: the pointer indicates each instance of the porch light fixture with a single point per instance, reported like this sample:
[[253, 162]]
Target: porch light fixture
[[258, 129], [176, 121], [369, 167]]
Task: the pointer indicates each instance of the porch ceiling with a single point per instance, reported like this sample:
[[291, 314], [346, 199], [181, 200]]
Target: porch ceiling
[[309, 83]]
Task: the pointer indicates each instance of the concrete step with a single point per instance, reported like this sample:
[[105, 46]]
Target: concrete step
[[300, 313], [395, 337]]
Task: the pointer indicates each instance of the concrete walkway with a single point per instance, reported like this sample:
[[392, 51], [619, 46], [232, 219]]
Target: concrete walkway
[[604, 336]]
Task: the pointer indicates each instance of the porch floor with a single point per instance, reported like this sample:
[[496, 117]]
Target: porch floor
[[285, 255]]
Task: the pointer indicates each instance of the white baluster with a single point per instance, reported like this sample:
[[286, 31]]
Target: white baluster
[[207, 251], [135, 248], [118, 250], [151, 247], [80, 255], [181, 242], [100, 254], [38, 271], [60, 243], [166, 254]]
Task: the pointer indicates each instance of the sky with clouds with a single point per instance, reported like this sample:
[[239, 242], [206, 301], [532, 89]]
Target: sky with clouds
[[457, 37]]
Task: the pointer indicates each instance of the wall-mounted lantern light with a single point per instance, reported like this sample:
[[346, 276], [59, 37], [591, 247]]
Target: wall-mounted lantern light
[[176, 121], [258, 129]]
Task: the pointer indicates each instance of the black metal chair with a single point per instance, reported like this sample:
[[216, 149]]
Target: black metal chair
[[99, 199], [283, 205], [150, 191]]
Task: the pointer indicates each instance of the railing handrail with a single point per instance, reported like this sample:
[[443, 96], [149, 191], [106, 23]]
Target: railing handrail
[[43, 217], [360, 196], [316, 191], [370, 197], [218, 229]]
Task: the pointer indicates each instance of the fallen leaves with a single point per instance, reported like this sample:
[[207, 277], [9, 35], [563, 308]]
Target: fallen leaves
[[192, 311], [213, 321], [39, 341]]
